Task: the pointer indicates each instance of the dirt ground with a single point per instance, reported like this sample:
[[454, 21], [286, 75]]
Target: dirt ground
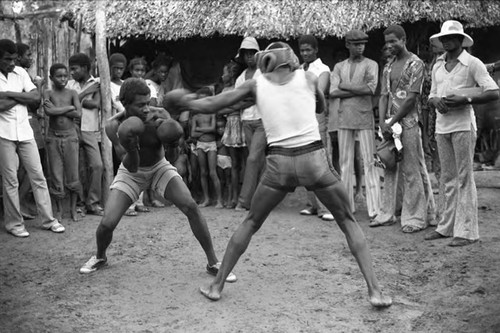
[[297, 276]]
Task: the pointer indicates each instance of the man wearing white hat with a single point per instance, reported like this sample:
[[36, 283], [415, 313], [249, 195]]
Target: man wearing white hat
[[455, 76], [253, 129]]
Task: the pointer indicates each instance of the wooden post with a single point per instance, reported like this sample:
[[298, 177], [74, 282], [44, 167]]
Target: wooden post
[[105, 79]]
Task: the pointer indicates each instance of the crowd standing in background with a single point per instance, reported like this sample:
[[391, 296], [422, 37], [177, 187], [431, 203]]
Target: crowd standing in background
[[219, 158]]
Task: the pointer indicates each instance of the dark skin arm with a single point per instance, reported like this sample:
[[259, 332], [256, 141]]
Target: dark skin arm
[[11, 98], [111, 130], [443, 105], [405, 108]]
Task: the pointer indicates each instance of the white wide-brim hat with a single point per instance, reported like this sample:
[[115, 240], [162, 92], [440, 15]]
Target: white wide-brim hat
[[248, 43], [451, 27]]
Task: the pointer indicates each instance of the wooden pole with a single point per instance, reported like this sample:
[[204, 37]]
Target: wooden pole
[[105, 79]]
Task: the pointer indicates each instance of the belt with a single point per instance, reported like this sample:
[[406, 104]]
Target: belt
[[277, 150]]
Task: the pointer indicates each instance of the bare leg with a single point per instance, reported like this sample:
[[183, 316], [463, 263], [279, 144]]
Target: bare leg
[[212, 169], [263, 202], [73, 197], [335, 199], [178, 193], [59, 209], [117, 204], [203, 163]]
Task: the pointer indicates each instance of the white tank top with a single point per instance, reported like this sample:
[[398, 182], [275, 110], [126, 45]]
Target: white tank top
[[288, 111]]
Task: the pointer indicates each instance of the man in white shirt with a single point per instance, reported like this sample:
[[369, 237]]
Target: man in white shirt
[[455, 76], [17, 143], [308, 46]]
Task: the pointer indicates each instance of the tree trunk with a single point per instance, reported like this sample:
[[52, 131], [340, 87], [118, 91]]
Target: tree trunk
[[102, 63]]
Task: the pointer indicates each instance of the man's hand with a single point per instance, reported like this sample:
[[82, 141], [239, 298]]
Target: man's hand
[[385, 129], [454, 101], [439, 104], [90, 90]]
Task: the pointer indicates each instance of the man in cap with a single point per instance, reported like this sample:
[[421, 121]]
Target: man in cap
[[354, 81], [252, 126], [399, 104], [308, 46], [288, 99], [453, 75]]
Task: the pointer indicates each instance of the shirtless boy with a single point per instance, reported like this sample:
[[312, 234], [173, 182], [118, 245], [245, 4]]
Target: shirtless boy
[[62, 105], [139, 136], [203, 129]]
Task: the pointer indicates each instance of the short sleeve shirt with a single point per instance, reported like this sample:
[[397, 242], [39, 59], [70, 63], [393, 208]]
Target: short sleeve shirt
[[14, 123], [355, 112], [410, 81], [468, 73]]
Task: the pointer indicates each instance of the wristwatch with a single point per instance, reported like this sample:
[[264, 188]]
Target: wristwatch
[[469, 100]]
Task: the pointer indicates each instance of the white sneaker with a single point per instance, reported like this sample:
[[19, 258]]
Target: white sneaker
[[214, 269], [327, 217], [93, 265], [20, 232]]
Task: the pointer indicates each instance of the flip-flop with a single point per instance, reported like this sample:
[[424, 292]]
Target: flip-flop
[[130, 212], [409, 229]]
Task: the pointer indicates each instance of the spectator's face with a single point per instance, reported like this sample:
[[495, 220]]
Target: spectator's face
[[78, 73], [26, 60], [221, 126], [117, 70], [138, 71], [451, 42], [60, 78], [355, 49], [139, 106], [249, 57], [308, 53], [162, 72], [8, 62], [394, 44]]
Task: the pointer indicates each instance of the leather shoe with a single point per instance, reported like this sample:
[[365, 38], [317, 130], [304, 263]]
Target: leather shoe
[[459, 241], [308, 212], [434, 235], [327, 217]]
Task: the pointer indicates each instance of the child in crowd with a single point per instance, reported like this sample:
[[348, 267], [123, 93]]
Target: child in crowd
[[62, 106], [161, 66], [223, 164], [234, 137], [203, 129]]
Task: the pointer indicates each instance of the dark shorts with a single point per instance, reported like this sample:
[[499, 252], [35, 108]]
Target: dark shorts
[[287, 168]]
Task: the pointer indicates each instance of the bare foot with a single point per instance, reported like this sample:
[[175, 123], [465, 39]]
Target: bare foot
[[219, 205], [74, 216], [378, 300], [210, 292], [204, 204]]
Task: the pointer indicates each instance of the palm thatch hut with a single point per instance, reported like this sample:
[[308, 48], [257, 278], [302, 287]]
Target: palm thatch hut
[[204, 34]]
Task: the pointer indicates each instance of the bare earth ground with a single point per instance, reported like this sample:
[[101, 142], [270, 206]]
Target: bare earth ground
[[297, 276]]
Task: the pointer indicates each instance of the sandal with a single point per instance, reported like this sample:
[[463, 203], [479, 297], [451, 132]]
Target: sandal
[[130, 212], [409, 229], [376, 223]]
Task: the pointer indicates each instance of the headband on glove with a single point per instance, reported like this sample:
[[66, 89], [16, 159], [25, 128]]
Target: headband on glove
[[270, 60]]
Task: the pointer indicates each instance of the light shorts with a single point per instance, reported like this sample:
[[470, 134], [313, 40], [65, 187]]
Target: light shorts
[[206, 146], [287, 168], [224, 161], [155, 177]]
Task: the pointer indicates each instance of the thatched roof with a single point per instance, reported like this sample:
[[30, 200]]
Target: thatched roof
[[284, 19]]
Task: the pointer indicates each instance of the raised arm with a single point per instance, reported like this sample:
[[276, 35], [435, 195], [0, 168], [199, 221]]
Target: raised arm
[[212, 104], [111, 130]]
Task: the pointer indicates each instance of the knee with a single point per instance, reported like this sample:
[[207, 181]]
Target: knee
[[188, 207], [104, 228]]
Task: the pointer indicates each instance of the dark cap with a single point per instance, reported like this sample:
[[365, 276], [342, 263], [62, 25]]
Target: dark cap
[[356, 36]]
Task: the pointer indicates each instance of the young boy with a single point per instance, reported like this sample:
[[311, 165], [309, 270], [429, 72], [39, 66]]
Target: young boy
[[62, 105], [224, 164], [204, 131]]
